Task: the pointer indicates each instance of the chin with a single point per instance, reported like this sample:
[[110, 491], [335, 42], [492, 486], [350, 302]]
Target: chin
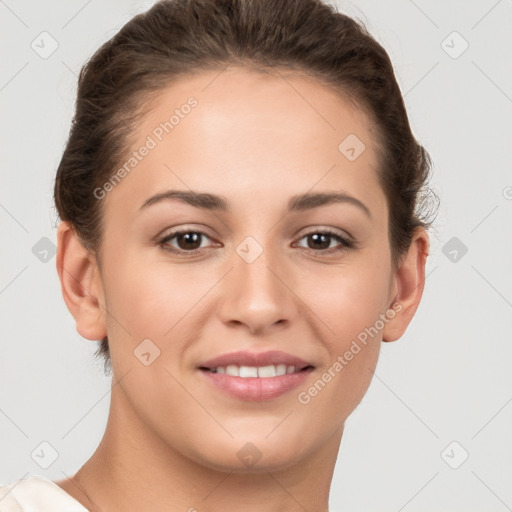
[[252, 454]]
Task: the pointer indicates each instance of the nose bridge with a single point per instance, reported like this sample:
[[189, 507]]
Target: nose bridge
[[255, 295]]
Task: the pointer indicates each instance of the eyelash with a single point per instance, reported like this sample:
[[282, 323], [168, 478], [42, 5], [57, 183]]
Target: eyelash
[[345, 242]]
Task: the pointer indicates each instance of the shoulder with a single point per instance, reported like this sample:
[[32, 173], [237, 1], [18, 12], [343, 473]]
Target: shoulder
[[36, 493]]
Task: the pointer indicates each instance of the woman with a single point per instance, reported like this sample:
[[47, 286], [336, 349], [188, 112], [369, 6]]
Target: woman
[[241, 227]]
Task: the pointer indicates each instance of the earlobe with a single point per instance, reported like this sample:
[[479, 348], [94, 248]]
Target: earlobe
[[80, 283], [408, 286]]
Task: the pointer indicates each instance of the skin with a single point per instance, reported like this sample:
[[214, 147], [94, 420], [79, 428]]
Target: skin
[[171, 440]]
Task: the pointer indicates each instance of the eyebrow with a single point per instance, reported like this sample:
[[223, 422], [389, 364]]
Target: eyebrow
[[296, 203]]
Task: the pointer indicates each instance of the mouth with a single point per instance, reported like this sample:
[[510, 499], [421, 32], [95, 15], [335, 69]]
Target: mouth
[[255, 376]]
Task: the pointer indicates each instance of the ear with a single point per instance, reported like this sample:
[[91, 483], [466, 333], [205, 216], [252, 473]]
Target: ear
[[408, 285], [81, 284]]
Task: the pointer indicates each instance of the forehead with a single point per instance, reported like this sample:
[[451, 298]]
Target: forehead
[[238, 130]]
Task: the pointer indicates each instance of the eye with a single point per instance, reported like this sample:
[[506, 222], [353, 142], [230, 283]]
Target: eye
[[188, 242], [320, 241]]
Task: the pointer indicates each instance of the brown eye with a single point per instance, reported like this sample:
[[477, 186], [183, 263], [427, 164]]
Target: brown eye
[[184, 241], [321, 242], [188, 241]]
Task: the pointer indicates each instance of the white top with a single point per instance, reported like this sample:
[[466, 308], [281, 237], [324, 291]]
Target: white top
[[37, 494]]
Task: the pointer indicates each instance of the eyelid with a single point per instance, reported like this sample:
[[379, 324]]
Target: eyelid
[[330, 230], [185, 228]]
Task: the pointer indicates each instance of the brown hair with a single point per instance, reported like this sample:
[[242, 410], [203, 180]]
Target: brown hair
[[180, 37]]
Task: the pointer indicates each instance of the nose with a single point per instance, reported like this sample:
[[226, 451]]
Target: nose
[[256, 295]]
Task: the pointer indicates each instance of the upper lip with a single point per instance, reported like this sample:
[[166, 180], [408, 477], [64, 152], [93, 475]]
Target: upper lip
[[245, 358]]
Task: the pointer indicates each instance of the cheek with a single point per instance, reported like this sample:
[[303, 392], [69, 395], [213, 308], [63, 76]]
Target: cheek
[[349, 299], [143, 303], [352, 342], [149, 299], [340, 386], [155, 300], [351, 304]]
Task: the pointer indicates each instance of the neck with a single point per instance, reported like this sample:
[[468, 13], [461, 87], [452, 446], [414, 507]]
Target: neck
[[133, 469]]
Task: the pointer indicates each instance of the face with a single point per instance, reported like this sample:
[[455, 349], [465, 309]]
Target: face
[[264, 262]]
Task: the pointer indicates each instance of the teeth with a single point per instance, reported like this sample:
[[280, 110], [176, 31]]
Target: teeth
[[248, 371], [232, 370], [281, 369], [267, 371], [254, 371]]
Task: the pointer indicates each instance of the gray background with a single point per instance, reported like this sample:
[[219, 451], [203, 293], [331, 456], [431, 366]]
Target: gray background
[[447, 380]]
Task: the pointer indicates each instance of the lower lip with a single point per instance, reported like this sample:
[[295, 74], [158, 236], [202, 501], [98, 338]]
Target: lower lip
[[256, 388]]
